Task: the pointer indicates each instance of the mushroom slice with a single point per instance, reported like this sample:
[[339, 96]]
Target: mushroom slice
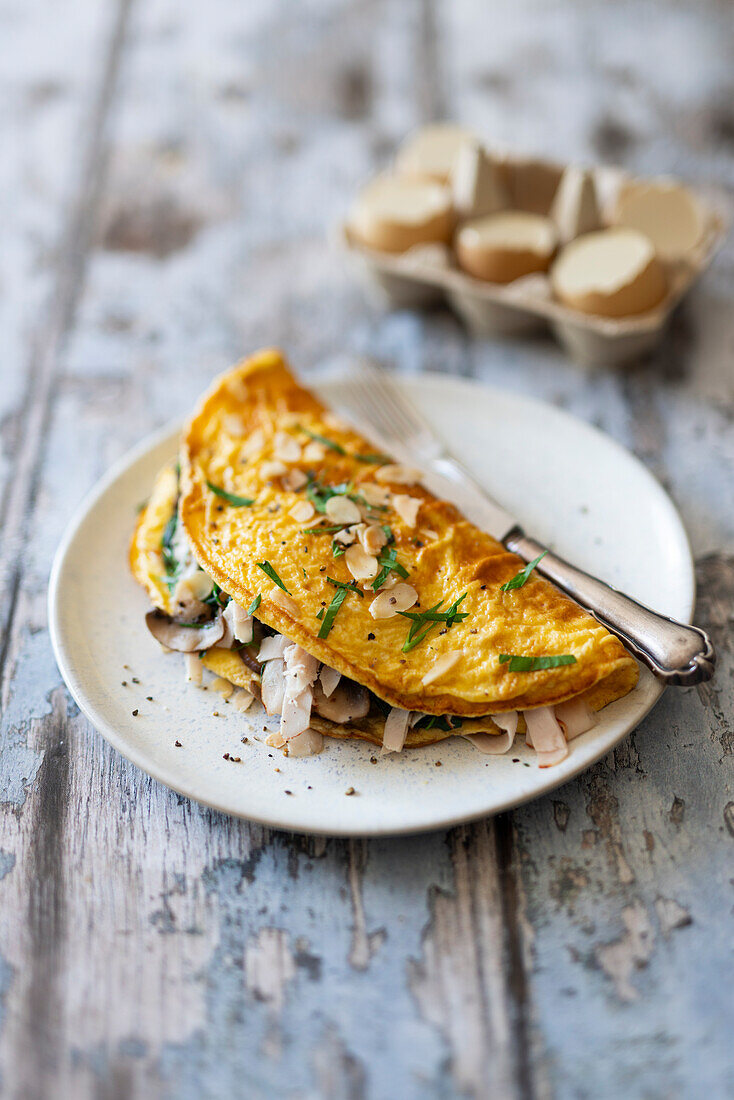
[[492, 744], [308, 743], [329, 678], [396, 729], [546, 736], [392, 600], [345, 703], [272, 686], [273, 647], [300, 672], [240, 623], [182, 638], [575, 717]]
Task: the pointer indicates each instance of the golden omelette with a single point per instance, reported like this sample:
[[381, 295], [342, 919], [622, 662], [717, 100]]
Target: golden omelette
[[338, 563]]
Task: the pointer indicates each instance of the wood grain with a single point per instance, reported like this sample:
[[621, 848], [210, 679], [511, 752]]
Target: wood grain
[[170, 174]]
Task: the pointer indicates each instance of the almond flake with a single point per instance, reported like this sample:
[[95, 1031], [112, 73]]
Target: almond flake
[[253, 444], [442, 666], [224, 687], [363, 567], [376, 495], [302, 511], [270, 469], [314, 452], [294, 480], [398, 474], [407, 508], [286, 448], [341, 509], [372, 538], [234, 425], [389, 602], [284, 602], [347, 536]]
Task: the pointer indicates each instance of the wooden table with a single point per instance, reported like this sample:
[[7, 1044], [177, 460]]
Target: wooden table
[[169, 174]]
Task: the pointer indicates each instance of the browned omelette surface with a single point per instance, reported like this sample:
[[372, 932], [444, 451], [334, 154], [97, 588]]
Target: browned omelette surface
[[230, 443]]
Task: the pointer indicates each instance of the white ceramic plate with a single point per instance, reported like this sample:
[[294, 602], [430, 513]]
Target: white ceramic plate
[[570, 485]]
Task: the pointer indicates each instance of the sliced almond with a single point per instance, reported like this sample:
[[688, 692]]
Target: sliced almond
[[347, 536], [284, 601], [372, 538], [314, 452], [376, 495], [443, 665], [196, 587], [271, 469], [363, 567], [431, 536], [388, 603], [407, 508], [286, 448], [341, 509], [302, 511], [234, 425], [253, 444], [397, 474], [294, 480]]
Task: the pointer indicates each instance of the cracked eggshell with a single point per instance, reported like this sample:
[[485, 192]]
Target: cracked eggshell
[[575, 208], [666, 212], [504, 247], [613, 273], [431, 152], [476, 186], [393, 214]]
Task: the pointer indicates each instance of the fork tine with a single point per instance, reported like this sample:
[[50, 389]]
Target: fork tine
[[384, 406]]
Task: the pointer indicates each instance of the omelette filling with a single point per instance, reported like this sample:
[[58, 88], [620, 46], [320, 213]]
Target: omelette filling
[[295, 686]]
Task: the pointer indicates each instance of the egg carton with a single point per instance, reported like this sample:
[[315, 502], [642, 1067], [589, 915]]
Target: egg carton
[[427, 276]]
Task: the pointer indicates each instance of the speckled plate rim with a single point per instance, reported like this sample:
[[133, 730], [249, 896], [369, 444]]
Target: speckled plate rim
[[587, 750]]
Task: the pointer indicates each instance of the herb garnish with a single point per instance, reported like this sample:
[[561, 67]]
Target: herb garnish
[[517, 663], [519, 579], [254, 605], [375, 460], [327, 617], [231, 498], [388, 560], [346, 584], [327, 529], [439, 721], [328, 620], [322, 439], [424, 621], [320, 494], [388, 532], [268, 569], [337, 548], [167, 554]]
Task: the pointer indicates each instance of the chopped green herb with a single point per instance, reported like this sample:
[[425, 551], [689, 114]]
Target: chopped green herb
[[320, 494], [388, 532], [305, 574], [254, 605], [321, 613], [328, 620], [375, 460], [268, 569], [352, 585], [535, 664], [337, 549], [167, 554], [327, 529], [424, 621], [216, 597], [520, 578], [231, 498], [322, 439], [388, 562]]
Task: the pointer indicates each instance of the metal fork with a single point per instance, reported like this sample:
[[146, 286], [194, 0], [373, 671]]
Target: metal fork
[[675, 652]]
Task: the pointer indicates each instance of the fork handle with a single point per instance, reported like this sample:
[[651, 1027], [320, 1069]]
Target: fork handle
[[674, 652]]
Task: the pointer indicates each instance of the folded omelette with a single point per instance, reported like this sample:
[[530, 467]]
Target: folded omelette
[[288, 556]]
